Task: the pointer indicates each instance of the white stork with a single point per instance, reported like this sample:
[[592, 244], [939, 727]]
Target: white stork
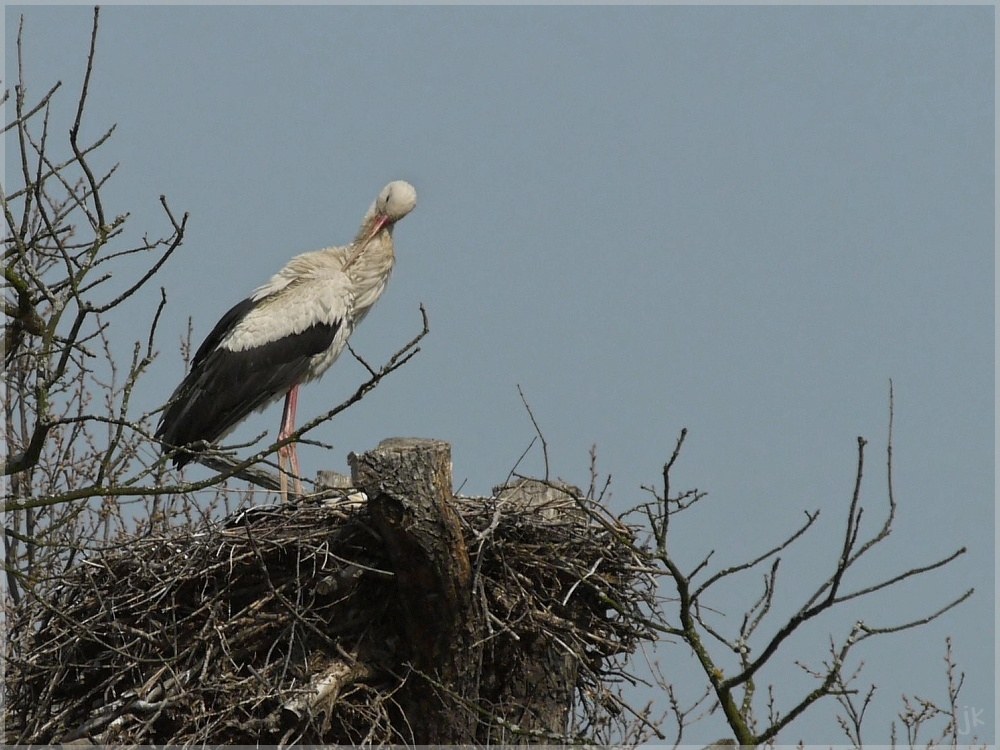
[[288, 332]]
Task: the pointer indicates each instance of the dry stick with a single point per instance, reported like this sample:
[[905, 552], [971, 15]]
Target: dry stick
[[176, 242], [22, 118], [75, 130], [538, 431], [22, 135], [810, 519]]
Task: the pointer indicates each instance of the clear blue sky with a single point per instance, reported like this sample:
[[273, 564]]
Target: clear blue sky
[[739, 220]]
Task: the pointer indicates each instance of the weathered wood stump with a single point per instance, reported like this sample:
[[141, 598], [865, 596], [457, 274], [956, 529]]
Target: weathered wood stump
[[408, 483]]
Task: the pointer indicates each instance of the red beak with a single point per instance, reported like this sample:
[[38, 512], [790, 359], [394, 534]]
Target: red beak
[[380, 223]]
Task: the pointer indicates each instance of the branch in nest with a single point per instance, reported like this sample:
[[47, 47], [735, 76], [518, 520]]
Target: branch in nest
[[324, 688]]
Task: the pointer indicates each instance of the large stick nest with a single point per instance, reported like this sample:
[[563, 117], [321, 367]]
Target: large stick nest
[[280, 625]]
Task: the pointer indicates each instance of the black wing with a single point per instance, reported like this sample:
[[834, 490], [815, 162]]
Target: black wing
[[224, 387]]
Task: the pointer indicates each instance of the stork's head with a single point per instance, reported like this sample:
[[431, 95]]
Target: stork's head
[[396, 200]]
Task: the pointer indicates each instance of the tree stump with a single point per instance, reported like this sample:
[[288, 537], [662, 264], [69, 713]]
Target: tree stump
[[408, 483]]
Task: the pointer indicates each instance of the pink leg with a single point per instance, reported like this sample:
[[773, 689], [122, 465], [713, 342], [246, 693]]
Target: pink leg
[[288, 452]]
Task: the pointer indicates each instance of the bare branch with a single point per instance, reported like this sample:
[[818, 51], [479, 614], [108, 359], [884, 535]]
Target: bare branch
[[538, 431], [175, 242], [810, 519], [99, 222]]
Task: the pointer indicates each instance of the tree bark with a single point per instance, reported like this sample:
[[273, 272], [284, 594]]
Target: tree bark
[[409, 485]]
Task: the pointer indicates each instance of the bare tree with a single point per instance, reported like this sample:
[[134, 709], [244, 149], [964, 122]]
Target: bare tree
[[67, 425], [731, 659]]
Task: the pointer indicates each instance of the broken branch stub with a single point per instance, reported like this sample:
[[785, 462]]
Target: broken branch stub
[[408, 483]]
